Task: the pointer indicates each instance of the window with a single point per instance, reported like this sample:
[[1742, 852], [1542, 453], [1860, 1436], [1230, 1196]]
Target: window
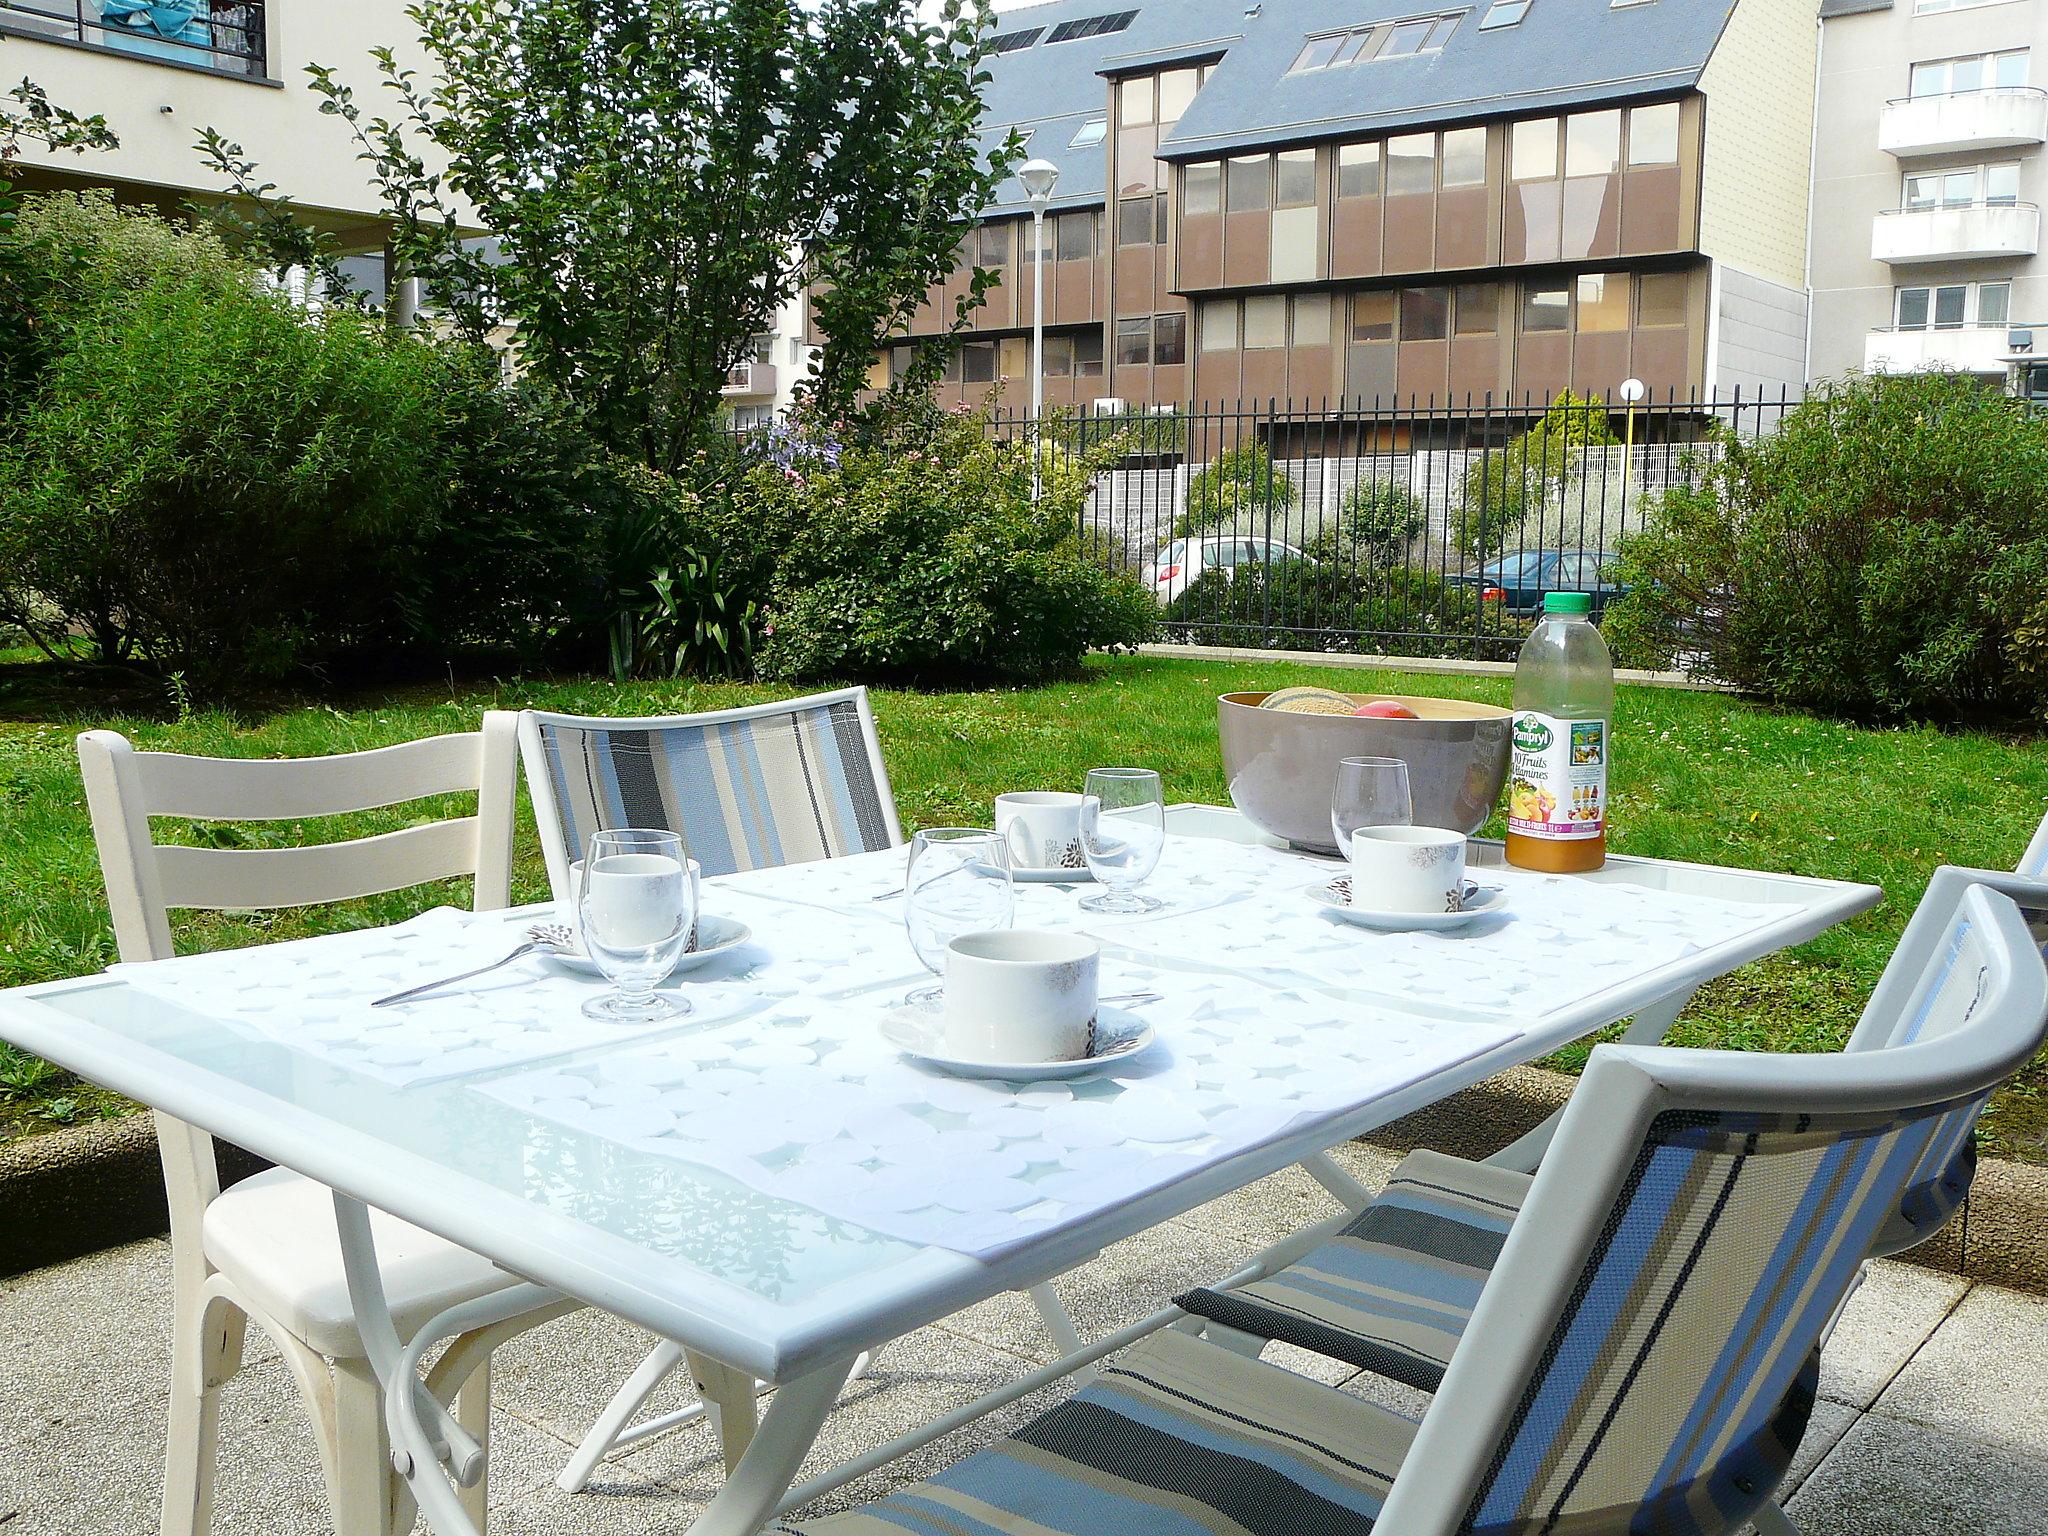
[[1059, 357], [2002, 184], [1250, 183], [1265, 322], [1503, 13], [1141, 220], [1074, 237], [1930, 7], [1134, 101], [995, 245], [1219, 325], [1010, 42], [1425, 314], [1201, 188], [1384, 40], [1088, 355], [978, 362], [1177, 89], [1662, 298], [1475, 309], [1091, 132], [1411, 163], [1092, 26], [1532, 154], [1603, 301], [1464, 158], [1592, 144], [1372, 316], [1358, 170], [1995, 184], [1948, 306], [1296, 183], [1653, 134], [1970, 72], [1169, 339], [1133, 343], [1308, 320], [1994, 303], [1546, 309]]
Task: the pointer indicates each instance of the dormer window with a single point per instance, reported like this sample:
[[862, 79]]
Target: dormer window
[[1382, 40], [1090, 132], [1092, 26], [1503, 13]]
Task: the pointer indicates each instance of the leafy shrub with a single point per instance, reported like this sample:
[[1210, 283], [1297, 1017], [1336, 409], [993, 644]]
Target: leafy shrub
[[921, 557], [1503, 488], [1883, 554], [1376, 522], [1239, 483], [1304, 605]]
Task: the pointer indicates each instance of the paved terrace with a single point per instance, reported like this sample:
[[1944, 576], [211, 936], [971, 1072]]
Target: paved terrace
[[1934, 1418]]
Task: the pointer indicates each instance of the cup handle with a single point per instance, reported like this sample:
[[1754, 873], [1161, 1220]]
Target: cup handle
[[1020, 857]]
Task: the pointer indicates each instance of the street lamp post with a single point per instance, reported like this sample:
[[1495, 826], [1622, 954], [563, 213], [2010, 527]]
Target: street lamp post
[[1631, 392], [1039, 178]]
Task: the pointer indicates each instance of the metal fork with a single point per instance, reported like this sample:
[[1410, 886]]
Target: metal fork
[[556, 938]]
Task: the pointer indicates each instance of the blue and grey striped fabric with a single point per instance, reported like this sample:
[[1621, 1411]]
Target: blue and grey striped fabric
[[1178, 1438], [1676, 1383], [1393, 1291], [785, 788]]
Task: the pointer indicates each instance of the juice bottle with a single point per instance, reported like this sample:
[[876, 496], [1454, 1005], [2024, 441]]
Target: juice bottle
[[1564, 699]]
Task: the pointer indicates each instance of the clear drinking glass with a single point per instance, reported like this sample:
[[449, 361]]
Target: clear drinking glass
[[1370, 792], [638, 905], [958, 882], [1123, 830]]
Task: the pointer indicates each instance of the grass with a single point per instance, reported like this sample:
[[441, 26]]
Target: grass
[[1698, 776]]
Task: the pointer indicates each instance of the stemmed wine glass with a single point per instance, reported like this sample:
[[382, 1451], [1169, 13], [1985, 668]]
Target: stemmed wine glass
[[958, 882], [1370, 792], [638, 905], [1123, 830]]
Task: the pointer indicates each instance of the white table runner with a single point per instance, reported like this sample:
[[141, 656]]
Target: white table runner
[[807, 1102]]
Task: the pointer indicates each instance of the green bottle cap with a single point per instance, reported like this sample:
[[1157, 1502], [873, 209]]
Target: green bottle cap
[[1568, 602]]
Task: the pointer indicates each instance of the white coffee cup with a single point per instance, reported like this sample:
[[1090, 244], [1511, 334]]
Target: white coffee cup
[[1015, 995], [1042, 829], [570, 916], [1407, 869]]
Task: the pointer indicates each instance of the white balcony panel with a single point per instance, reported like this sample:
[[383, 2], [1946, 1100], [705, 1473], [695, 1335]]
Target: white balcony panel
[[1964, 349], [1904, 235], [1938, 125], [749, 379]]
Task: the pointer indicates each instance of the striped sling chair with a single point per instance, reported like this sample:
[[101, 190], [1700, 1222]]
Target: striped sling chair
[[1641, 1359]]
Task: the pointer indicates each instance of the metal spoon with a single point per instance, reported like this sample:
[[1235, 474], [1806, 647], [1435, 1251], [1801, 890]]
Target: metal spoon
[[556, 938]]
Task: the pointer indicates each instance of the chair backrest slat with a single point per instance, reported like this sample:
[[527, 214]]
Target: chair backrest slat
[[1643, 1356], [252, 878], [300, 789], [751, 788]]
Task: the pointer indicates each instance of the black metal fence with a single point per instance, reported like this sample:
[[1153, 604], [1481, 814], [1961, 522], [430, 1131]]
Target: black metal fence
[[227, 35], [1417, 528]]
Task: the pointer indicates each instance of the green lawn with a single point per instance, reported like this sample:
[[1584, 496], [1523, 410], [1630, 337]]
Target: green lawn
[[1697, 776]]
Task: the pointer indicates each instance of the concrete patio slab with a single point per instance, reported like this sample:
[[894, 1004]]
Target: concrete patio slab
[[1984, 1373], [1893, 1313], [1891, 1477]]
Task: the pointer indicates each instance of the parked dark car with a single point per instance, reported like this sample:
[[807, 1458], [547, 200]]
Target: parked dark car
[[1517, 582]]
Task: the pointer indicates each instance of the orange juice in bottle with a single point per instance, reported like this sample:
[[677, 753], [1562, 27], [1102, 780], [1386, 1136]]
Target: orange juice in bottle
[[1564, 701]]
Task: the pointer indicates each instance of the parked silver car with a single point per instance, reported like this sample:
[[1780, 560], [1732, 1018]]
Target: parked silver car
[[1180, 564]]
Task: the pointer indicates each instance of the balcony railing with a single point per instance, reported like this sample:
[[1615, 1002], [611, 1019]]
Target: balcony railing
[[223, 35], [750, 378], [2000, 118], [1983, 349], [1955, 232]]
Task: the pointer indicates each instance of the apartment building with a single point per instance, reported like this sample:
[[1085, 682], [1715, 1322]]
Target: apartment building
[[1928, 176], [1380, 200]]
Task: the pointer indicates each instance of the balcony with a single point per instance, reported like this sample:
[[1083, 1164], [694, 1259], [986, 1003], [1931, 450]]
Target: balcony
[[1980, 349], [227, 39], [1955, 232], [749, 379], [2003, 118]]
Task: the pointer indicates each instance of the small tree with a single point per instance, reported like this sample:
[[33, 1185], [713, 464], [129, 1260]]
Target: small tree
[[1502, 489], [1240, 484]]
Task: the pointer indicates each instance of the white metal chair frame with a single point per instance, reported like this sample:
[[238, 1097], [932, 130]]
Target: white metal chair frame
[[727, 1397], [144, 880]]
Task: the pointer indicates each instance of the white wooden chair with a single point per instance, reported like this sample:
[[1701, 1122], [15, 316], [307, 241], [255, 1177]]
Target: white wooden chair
[[266, 1250]]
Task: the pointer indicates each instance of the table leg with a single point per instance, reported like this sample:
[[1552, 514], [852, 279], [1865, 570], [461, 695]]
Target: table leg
[[1648, 1027], [729, 1397]]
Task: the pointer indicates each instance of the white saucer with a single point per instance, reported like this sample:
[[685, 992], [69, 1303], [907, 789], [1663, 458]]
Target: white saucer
[[715, 936], [1333, 897], [919, 1034], [1051, 876]]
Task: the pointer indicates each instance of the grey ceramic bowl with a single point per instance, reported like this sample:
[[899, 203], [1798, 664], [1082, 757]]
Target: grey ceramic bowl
[[1282, 766]]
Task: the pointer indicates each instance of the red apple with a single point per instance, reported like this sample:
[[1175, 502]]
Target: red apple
[[1386, 709]]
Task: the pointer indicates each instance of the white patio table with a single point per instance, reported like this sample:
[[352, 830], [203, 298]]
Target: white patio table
[[769, 1185]]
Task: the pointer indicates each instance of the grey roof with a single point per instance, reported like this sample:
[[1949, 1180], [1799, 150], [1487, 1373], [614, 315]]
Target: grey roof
[[1563, 53], [1830, 8], [1055, 88]]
